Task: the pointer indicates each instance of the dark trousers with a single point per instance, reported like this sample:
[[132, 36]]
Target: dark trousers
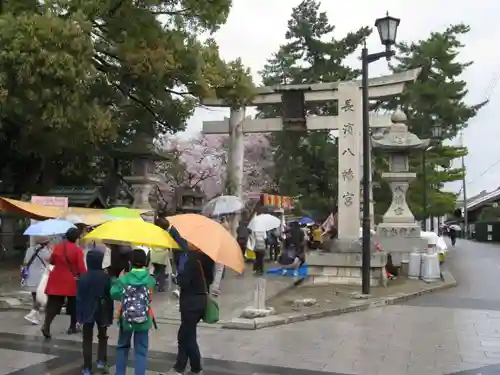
[[188, 348], [115, 271], [274, 252], [159, 275], [258, 265], [102, 346], [453, 239], [53, 308]]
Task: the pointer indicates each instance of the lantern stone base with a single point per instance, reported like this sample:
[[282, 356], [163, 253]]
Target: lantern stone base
[[400, 239], [344, 268]]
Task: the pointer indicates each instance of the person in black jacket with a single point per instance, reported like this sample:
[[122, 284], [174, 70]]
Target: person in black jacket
[[195, 276], [120, 259], [94, 306]]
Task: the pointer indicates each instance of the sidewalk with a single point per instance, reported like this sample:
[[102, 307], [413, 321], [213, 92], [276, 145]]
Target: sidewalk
[[237, 292]]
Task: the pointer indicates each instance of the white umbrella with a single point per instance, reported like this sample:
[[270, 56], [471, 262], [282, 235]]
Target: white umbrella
[[223, 205], [455, 227], [49, 227], [264, 223]]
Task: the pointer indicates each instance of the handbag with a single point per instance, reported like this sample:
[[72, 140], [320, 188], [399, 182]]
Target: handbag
[[250, 254], [41, 297], [212, 312]]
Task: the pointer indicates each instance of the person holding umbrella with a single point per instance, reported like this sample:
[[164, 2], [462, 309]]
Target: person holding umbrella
[[194, 278], [35, 262]]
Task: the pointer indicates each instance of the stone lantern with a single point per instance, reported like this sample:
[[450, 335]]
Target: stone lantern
[[398, 233], [143, 179]]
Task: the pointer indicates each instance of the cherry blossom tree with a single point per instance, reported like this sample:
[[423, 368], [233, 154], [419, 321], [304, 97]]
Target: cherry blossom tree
[[200, 162], [193, 163], [258, 167]]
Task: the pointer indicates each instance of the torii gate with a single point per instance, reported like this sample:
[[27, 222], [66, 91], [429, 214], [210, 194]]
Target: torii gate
[[348, 122]]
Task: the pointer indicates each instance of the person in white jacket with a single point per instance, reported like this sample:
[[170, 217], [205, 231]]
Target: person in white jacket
[[35, 263]]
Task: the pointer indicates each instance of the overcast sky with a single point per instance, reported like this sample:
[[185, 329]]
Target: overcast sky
[[256, 28]]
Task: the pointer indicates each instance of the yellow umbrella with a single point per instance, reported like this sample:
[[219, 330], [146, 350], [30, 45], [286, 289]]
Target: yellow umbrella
[[133, 231], [211, 238]]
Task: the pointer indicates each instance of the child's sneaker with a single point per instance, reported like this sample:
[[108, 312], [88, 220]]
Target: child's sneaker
[[102, 368], [86, 371]]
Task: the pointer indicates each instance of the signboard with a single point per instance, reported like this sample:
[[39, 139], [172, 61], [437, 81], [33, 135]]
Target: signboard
[[61, 202], [278, 201]]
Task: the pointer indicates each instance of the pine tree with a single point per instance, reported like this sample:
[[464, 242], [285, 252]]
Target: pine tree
[[437, 97], [306, 163]]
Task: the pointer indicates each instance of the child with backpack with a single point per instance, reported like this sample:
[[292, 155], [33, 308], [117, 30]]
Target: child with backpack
[[134, 290], [94, 307]]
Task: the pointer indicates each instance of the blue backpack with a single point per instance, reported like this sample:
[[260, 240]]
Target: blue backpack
[[135, 304]]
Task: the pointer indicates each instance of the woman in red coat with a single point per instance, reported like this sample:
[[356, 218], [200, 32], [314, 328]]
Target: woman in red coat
[[67, 259]]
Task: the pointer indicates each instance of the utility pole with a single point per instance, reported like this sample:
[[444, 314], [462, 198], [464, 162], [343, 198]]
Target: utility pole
[[464, 190]]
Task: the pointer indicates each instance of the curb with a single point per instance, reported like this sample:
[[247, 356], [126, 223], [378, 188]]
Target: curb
[[170, 320], [276, 320]]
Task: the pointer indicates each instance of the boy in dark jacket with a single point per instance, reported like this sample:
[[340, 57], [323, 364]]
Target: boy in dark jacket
[[134, 290], [94, 306]]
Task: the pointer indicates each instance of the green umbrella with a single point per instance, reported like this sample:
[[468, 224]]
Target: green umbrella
[[122, 213]]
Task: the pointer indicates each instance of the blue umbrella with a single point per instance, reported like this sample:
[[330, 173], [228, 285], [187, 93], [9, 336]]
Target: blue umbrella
[[305, 221], [50, 227]]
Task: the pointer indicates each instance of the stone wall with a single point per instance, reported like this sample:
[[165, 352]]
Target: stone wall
[[344, 268]]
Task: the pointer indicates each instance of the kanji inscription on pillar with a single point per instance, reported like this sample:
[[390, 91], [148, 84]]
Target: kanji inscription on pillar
[[349, 142], [348, 199], [348, 129], [399, 200], [348, 151], [348, 106], [347, 174]]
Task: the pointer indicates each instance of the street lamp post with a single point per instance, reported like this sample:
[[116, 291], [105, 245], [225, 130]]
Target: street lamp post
[[387, 28], [436, 131]]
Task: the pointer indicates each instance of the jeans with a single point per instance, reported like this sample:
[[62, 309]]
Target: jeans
[[141, 345], [102, 346], [159, 274], [218, 274], [187, 342]]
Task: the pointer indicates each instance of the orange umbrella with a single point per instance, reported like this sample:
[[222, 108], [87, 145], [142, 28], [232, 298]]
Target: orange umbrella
[[211, 238]]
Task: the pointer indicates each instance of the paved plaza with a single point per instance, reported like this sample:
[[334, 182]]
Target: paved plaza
[[454, 332]]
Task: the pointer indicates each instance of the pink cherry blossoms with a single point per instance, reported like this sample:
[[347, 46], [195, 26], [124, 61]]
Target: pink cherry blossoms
[[201, 162]]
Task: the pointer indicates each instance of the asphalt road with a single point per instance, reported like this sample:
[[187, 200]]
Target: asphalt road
[[476, 267]]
